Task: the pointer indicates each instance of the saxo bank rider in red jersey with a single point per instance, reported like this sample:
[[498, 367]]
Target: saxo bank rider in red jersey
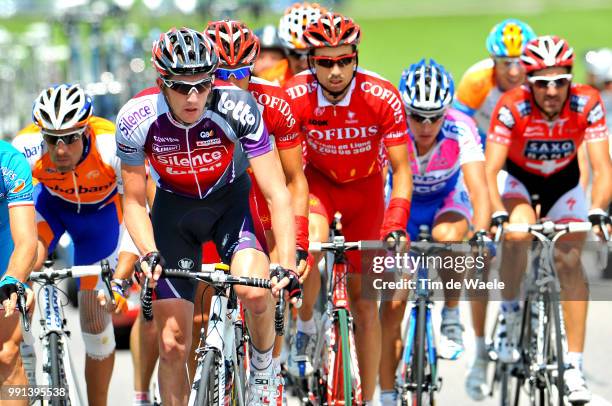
[[345, 113], [199, 154], [535, 133]]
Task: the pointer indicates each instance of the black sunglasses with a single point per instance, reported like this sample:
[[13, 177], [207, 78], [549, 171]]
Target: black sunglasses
[[186, 88], [67, 139], [422, 119]]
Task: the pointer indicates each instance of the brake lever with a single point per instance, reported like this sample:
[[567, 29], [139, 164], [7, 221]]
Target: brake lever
[[21, 305], [107, 274], [279, 314]]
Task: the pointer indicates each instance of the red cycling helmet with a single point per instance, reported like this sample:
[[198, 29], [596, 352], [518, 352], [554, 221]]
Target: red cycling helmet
[[236, 43], [332, 30], [547, 52]]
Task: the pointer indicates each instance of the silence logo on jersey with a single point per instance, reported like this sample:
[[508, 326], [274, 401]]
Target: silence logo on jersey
[[504, 115], [549, 150], [241, 111], [134, 117], [196, 159]]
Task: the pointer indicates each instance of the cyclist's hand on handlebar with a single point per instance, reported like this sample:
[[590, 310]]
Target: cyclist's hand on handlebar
[[397, 241], [289, 282], [151, 266], [498, 220], [120, 289], [8, 294], [599, 218]]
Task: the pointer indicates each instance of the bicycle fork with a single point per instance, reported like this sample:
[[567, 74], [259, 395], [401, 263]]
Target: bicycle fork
[[403, 380]]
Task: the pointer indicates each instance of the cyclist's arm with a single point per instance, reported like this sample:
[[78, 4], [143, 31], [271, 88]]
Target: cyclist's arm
[[136, 217], [475, 181], [495, 158], [291, 160], [22, 221], [599, 157], [583, 164], [269, 175], [402, 174]]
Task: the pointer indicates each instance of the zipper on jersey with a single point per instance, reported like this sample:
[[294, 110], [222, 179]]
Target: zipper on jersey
[[76, 191], [334, 106], [195, 176]]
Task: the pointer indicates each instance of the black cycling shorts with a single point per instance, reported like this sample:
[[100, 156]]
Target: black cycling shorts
[[182, 224]]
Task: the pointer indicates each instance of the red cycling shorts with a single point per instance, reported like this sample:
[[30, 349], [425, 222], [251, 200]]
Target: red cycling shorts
[[361, 203]]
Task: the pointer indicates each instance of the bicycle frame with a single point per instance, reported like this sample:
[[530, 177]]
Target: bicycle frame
[[543, 292], [220, 337], [52, 320], [337, 298]]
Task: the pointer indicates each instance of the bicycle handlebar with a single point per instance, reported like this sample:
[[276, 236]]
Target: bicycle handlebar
[[334, 246], [549, 227], [215, 276]]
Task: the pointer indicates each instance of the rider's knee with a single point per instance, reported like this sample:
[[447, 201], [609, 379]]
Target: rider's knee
[[171, 350], [254, 299], [96, 327], [447, 232], [100, 345], [9, 353]]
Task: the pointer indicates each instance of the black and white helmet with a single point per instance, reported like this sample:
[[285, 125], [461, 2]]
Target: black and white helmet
[[184, 52], [62, 107]]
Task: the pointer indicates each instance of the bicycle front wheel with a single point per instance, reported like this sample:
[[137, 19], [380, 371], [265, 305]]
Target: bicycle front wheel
[[555, 353], [207, 387], [419, 355], [340, 382], [56, 370]]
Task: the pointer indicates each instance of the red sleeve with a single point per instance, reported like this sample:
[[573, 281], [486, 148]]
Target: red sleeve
[[285, 129], [503, 121], [393, 117]]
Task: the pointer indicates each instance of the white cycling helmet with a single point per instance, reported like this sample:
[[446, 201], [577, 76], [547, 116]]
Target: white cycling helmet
[[62, 107], [293, 24]]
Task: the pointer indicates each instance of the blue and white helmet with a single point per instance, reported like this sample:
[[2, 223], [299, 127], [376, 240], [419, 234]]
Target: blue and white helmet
[[426, 89]]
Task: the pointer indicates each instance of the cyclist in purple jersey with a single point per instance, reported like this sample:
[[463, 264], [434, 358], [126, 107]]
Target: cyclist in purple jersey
[[199, 140]]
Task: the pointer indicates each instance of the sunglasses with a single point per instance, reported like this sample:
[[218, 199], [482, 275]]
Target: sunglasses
[[70, 138], [425, 119], [508, 62], [186, 88], [544, 82], [329, 62], [237, 73]]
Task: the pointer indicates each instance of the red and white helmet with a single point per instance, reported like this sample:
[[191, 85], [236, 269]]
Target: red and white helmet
[[332, 30], [547, 52], [184, 52], [236, 43], [292, 25]]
